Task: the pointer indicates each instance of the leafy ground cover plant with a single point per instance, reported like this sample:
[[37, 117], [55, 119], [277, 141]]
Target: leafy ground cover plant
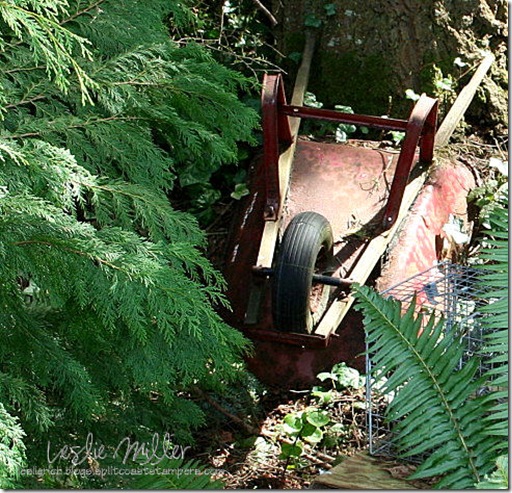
[[316, 426]]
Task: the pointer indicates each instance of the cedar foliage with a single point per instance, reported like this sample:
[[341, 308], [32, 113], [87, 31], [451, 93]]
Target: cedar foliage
[[106, 296]]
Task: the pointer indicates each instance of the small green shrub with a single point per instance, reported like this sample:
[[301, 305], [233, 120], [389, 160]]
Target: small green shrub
[[305, 426]]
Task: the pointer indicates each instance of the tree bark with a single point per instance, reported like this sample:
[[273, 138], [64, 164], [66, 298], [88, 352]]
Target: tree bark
[[369, 53]]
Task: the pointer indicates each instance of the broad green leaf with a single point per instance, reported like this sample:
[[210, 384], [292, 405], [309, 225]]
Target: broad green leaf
[[312, 434], [294, 421], [317, 418], [290, 450]]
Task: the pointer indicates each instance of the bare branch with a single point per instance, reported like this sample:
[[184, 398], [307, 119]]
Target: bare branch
[[267, 12]]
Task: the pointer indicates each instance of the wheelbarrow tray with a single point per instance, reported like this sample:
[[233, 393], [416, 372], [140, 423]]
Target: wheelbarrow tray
[[348, 184], [359, 190]]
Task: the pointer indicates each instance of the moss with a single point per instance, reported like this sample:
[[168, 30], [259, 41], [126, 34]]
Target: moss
[[294, 42], [364, 83]]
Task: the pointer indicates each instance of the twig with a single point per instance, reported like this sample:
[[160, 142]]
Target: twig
[[81, 12], [320, 458], [80, 125], [26, 101], [240, 422], [267, 12], [227, 50]]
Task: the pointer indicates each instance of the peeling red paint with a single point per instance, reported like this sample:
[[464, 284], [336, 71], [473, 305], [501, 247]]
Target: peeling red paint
[[416, 248]]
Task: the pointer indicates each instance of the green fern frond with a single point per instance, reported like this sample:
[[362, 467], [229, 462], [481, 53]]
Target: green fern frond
[[434, 401], [495, 284]]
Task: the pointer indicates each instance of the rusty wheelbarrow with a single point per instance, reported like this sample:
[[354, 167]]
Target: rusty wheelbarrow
[[314, 195], [318, 218]]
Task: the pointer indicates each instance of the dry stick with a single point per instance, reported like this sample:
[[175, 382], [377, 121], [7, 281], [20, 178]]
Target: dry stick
[[240, 422], [267, 12], [320, 458]]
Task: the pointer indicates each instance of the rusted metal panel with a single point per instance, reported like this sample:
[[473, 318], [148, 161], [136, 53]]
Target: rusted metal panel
[[346, 184], [276, 131], [418, 245], [278, 363], [421, 125]]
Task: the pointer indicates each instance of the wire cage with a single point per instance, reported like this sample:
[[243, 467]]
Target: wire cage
[[447, 289]]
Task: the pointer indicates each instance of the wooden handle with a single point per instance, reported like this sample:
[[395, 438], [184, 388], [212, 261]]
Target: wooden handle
[[462, 102]]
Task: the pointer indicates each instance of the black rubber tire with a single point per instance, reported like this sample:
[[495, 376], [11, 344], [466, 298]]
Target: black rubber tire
[[307, 240]]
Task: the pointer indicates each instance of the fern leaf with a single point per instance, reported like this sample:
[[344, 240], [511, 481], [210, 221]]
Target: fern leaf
[[495, 352], [422, 370], [176, 474]]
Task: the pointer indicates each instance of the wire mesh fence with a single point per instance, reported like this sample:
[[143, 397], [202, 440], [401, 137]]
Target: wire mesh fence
[[449, 290]]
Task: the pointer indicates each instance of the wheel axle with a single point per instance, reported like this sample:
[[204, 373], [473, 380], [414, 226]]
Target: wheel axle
[[317, 278]]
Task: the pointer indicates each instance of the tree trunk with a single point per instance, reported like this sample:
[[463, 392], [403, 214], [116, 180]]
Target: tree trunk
[[369, 53]]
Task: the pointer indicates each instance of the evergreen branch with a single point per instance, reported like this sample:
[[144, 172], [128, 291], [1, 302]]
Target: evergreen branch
[[26, 101], [122, 266], [23, 69], [106, 295], [226, 49], [83, 124], [62, 246], [118, 260], [22, 395], [52, 43], [78, 13], [12, 450]]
